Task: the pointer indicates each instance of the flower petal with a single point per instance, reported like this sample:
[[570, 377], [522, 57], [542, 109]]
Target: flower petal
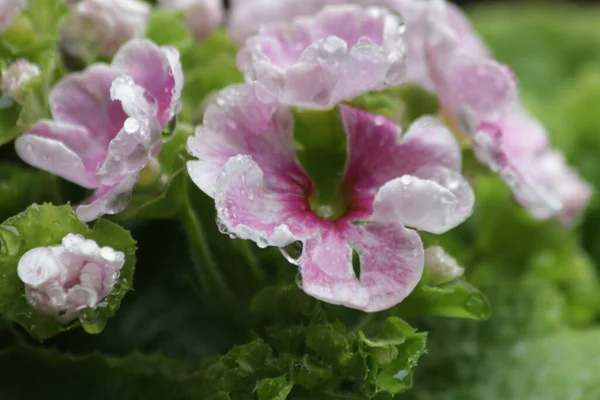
[[138, 140], [468, 40], [391, 262], [517, 148], [84, 99], [435, 200], [62, 149], [107, 200], [156, 69], [318, 61], [378, 153], [237, 123], [472, 89], [252, 207]]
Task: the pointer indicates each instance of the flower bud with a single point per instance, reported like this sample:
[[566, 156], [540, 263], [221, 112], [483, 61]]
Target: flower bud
[[102, 26], [15, 77], [203, 16], [61, 281], [442, 267]]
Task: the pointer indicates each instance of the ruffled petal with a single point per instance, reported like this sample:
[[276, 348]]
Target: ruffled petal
[[377, 152], [320, 60], [62, 149], [472, 89], [252, 207], [156, 69], [84, 99], [391, 263], [517, 148], [237, 123], [435, 200], [138, 141], [107, 200]]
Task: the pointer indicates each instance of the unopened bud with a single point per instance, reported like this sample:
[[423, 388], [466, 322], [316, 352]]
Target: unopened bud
[[15, 77], [442, 267]]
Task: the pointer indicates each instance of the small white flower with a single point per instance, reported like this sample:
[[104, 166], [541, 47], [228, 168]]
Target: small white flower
[[15, 76], [442, 267], [61, 281]]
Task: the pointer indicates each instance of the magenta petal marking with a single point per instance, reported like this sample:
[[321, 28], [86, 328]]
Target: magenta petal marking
[[250, 207], [377, 152], [391, 259], [237, 123]]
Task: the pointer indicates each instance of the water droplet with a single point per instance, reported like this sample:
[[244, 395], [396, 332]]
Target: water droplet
[[299, 280], [406, 179], [401, 374], [116, 275], [292, 252], [89, 315], [131, 125], [478, 306]]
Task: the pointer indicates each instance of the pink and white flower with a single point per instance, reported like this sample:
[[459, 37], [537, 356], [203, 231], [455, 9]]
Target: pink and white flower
[[247, 163], [482, 98], [107, 124], [202, 16], [61, 281], [102, 26], [9, 9], [247, 17], [15, 76], [321, 60]]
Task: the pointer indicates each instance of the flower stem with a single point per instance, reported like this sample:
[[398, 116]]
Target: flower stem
[[206, 268]]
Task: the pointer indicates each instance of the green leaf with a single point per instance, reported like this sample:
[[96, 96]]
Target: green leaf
[[274, 388], [19, 117], [46, 225], [208, 67], [20, 187], [167, 28], [107, 233], [93, 376], [404, 103], [35, 31], [396, 349], [457, 299]]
